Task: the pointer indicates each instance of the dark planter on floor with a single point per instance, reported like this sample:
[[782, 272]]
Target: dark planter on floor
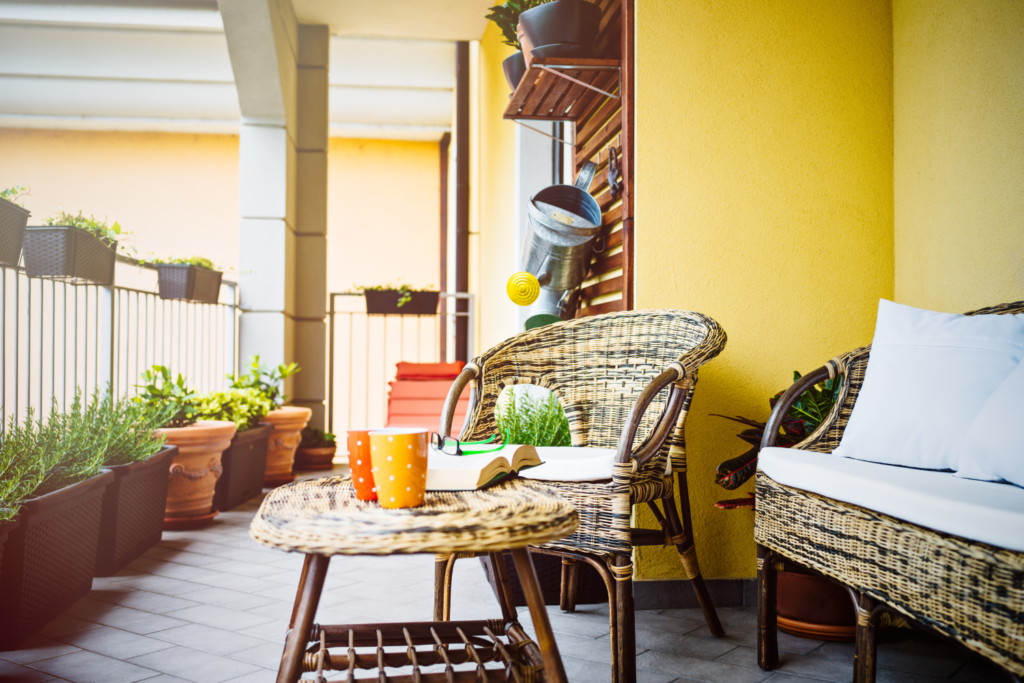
[[562, 21], [813, 607], [50, 557], [189, 283], [590, 588], [514, 68], [5, 530], [70, 254], [13, 220], [243, 463], [386, 302], [315, 458], [133, 511]]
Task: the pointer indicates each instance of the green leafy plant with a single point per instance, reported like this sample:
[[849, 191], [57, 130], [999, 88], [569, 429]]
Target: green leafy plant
[[317, 438], [245, 407], [802, 418], [106, 233], [404, 291], [172, 400], [74, 449], [532, 421], [199, 261], [129, 427], [506, 16], [266, 382], [22, 464], [12, 194]]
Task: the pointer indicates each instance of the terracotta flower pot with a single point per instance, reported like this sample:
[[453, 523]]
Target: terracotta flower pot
[[315, 458], [284, 441], [813, 607], [195, 469]]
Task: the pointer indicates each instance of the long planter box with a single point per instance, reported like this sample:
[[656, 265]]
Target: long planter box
[[50, 557], [5, 531], [188, 283], [70, 254], [13, 220], [243, 463], [133, 511], [590, 588], [386, 302]]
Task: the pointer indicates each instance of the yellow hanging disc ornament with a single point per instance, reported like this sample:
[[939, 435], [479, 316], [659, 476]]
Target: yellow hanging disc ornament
[[523, 288]]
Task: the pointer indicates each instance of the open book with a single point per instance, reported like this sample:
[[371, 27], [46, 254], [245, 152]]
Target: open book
[[471, 472]]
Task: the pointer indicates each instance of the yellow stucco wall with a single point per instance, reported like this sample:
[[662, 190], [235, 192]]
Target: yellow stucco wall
[[763, 199], [959, 152]]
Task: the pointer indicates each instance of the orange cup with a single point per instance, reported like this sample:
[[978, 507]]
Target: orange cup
[[360, 465], [399, 466]]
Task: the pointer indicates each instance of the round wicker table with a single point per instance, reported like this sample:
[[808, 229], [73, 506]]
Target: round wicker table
[[322, 517]]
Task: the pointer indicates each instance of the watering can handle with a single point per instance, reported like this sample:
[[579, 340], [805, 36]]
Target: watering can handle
[[586, 176]]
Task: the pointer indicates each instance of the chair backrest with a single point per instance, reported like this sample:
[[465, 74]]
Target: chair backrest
[[853, 366], [597, 367]]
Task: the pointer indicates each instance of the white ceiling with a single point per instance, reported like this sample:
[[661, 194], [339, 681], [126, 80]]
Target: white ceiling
[[165, 66]]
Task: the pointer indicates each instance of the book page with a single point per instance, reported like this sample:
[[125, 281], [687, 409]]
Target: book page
[[572, 464], [436, 460]]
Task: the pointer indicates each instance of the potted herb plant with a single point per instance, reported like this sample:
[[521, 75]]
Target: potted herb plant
[[316, 450], [808, 606], [133, 506], [245, 460], [72, 248], [50, 556], [189, 279], [13, 219], [560, 28], [506, 17], [288, 421], [399, 300], [196, 466]]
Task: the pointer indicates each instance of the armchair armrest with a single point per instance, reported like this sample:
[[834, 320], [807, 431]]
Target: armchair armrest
[[675, 374], [771, 430], [467, 376]]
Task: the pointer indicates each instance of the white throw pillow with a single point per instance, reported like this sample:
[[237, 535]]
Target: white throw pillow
[[928, 376], [993, 447]]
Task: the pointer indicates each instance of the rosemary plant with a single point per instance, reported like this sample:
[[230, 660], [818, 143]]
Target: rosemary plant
[[532, 421], [22, 468]]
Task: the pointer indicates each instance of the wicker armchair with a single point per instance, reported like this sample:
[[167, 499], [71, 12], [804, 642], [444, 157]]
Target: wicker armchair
[[958, 588], [610, 373]]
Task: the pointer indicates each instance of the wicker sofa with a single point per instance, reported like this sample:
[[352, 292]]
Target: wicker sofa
[[894, 567]]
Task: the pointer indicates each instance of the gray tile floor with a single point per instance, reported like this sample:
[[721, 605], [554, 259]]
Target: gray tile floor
[[212, 605]]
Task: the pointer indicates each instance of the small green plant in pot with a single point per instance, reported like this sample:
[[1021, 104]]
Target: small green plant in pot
[[531, 420], [72, 248], [400, 299], [316, 450], [13, 220], [194, 278], [506, 17]]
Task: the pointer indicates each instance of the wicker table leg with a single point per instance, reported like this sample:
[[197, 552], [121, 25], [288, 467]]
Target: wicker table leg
[[314, 571], [538, 611]]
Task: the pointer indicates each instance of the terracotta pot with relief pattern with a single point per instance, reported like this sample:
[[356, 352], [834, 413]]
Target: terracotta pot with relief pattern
[[195, 469], [288, 422]]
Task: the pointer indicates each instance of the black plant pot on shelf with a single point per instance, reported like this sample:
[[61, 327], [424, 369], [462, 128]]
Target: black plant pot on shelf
[[62, 252], [514, 68], [243, 465], [562, 22], [50, 557], [188, 282], [133, 511], [13, 220], [386, 302]]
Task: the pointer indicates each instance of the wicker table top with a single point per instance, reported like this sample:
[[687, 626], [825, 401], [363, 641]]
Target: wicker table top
[[323, 516]]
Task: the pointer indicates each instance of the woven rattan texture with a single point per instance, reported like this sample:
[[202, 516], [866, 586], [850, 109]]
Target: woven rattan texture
[[13, 220], [64, 548], [140, 511], [207, 287], [68, 254], [597, 366], [969, 591], [175, 281], [323, 516]]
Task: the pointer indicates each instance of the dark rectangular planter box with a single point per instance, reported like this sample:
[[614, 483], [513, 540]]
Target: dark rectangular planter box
[[13, 220], [5, 530], [590, 588], [386, 302], [70, 254], [189, 283], [243, 462], [133, 511], [50, 557]]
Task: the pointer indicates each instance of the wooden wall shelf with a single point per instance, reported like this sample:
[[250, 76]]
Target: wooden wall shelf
[[562, 89]]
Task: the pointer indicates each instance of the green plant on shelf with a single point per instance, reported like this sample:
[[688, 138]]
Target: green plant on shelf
[[12, 194], [404, 291], [198, 261], [317, 438], [245, 407], [266, 382], [105, 233], [170, 399], [532, 421], [506, 17]]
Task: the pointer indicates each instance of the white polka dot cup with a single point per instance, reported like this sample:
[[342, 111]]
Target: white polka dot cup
[[399, 459], [360, 465]]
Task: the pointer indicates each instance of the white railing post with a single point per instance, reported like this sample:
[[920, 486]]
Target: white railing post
[[105, 338]]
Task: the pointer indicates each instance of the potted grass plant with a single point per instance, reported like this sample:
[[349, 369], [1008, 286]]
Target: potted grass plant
[[13, 219], [196, 466], [399, 300], [288, 421], [72, 248], [50, 556], [189, 279], [245, 460], [133, 506], [316, 450]]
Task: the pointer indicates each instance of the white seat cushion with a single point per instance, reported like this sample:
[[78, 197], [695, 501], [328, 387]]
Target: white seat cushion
[[988, 512]]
